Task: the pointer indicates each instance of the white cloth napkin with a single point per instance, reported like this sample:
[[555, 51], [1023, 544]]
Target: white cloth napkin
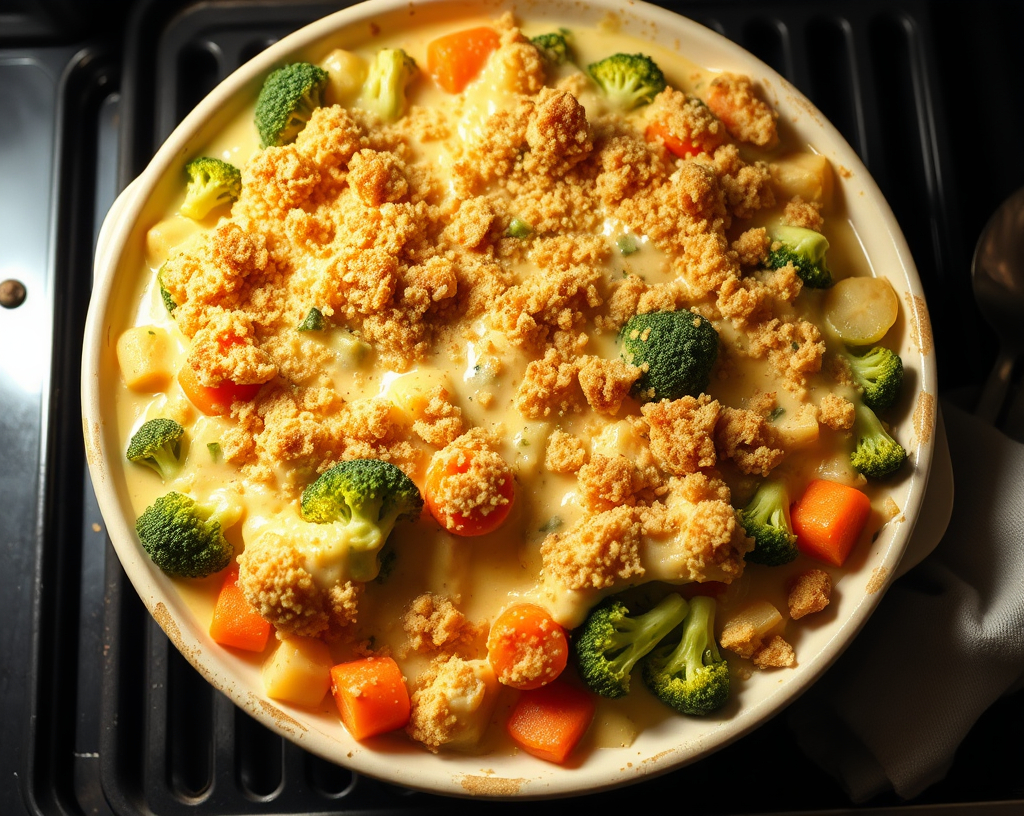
[[945, 642]]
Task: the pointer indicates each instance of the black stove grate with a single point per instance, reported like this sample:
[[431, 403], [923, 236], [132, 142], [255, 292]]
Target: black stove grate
[[105, 717]]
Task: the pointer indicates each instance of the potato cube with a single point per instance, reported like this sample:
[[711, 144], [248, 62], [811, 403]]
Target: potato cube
[[410, 392], [808, 175], [346, 72], [146, 357], [298, 671]]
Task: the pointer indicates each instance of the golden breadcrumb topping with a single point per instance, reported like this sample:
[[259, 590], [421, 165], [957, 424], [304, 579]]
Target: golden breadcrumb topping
[[433, 623], [681, 433], [749, 440], [777, 653], [809, 592], [604, 548], [836, 412], [565, 453]]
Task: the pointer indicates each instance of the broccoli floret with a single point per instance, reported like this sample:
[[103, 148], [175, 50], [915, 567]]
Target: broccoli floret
[[157, 444], [611, 641], [185, 538], [628, 80], [313, 321], [287, 99], [879, 373], [165, 296], [366, 498], [877, 454], [211, 182], [384, 90], [805, 249], [677, 351], [691, 676], [766, 520], [554, 47]]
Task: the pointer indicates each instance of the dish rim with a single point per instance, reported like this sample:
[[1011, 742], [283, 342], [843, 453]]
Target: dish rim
[[455, 776]]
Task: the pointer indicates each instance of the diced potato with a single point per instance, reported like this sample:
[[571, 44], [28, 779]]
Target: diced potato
[[410, 392], [799, 428], [298, 671], [166, 235], [618, 438], [748, 629], [808, 175], [146, 357], [346, 73]]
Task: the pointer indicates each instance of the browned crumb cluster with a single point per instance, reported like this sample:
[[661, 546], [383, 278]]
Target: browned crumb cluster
[[434, 623]]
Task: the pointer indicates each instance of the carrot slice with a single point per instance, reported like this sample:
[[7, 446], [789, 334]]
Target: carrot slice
[[549, 722], [494, 474], [235, 622], [455, 59], [828, 520], [526, 648], [214, 400], [371, 696]]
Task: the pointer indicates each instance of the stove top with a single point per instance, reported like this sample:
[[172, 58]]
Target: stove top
[[101, 714]]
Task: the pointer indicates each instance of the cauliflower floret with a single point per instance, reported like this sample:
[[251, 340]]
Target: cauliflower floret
[[281, 574], [452, 703]]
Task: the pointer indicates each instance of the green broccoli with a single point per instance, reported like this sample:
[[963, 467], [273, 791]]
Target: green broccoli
[[691, 676], [286, 101], [384, 90], [628, 80], [554, 47], [313, 321], [211, 182], [677, 351], [805, 249], [611, 641], [879, 373], [185, 538], [518, 228], [876, 454], [165, 296], [365, 498], [766, 520], [157, 444]]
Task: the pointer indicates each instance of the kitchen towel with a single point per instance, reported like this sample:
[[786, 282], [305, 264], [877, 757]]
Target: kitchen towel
[[945, 642]]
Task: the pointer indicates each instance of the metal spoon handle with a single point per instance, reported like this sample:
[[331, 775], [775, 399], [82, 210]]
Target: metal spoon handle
[[993, 395]]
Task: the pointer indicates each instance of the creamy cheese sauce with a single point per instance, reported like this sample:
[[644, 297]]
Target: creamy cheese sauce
[[484, 574]]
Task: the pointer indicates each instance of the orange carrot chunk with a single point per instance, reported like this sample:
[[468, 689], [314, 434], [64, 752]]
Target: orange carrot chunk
[[549, 722], [526, 648], [235, 622], [456, 59], [371, 696], [676, 146], [214, 400], [828, 520]]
